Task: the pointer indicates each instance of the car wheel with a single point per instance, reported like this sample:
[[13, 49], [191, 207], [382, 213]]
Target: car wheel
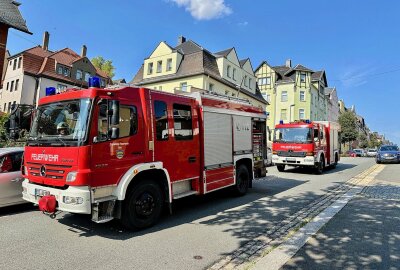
[[143, 206], [280, 168], [242, 180]]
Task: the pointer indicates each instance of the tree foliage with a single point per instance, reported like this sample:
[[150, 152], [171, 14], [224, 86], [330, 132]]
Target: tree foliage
[[347, 121], [374, 142], [363, 140], [104, 65]]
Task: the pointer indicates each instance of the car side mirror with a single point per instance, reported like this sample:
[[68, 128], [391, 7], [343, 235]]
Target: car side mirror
[[114, 133]]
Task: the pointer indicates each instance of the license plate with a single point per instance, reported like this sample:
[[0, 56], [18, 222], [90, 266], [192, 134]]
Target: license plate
[[290, 159], [389, 157], [41, 192]]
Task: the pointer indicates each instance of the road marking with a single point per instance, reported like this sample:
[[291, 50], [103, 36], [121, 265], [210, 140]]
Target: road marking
[[284, 252]]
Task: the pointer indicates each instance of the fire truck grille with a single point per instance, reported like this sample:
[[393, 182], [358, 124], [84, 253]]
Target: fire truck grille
[[291, 154], [51, 171]]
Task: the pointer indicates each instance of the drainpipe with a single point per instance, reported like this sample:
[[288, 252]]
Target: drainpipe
[[37, 91]]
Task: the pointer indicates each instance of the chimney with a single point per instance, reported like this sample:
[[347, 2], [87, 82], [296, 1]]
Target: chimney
[[289, 63], [181, 39], [45, 45], [83, 51]]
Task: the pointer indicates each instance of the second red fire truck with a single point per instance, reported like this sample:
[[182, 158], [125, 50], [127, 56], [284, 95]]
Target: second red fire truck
[[125, 153], [306, 144]]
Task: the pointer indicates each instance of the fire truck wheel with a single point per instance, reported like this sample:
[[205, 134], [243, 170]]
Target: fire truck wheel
[[280, 168], [242, 180], [142, 206], [320, 166]]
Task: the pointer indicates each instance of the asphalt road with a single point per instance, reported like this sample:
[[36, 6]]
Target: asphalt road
[[363, 235], [200, 231]]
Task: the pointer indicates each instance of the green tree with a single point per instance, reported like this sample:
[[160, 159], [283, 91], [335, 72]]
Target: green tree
[[374, 142], [104, 65], [363, 141], [347, 121], [3, 131]]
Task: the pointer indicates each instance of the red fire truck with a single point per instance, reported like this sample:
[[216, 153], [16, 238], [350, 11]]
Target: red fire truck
[[306, 144], [127, 152]]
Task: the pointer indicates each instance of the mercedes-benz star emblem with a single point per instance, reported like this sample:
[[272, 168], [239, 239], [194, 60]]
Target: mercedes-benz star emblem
[[43, 171]]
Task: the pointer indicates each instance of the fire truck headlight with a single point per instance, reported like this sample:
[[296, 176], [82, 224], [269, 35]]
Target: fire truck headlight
[[71, 177], [72, 200]]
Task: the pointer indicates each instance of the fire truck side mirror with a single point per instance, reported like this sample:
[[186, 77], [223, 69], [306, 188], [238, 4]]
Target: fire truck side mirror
[[114, 110], [114, 133]]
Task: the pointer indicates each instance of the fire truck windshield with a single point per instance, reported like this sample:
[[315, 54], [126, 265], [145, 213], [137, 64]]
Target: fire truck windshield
[[61, 123], [293, 135]]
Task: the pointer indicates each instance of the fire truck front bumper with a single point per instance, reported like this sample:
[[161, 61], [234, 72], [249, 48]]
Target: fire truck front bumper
[[72, 199], [294, 161]]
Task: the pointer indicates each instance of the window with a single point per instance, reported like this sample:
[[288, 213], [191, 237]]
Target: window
[[9, 107], [284, 96], [228, 71], [169, 64], [11, 63], [127, 121], [160, 87], [226, 93], [87, 76], [283, 114], [60, 70], [15, 64], [66, 71], [159, 66], [160, 113], [250, 81], [268, 80], [61, 87], [11, 162], [211, 87], [264, 81], [184, 86], [260, 81], [5, 107], [245, 80], [268, 98], [12, 86], [149, 68], [182, 122], [79, 74], [13, 105], [19, 62], [102, 83], [234, 74], [16, 85], [302, 114], [302, 96], [8, 84], [302, 77]]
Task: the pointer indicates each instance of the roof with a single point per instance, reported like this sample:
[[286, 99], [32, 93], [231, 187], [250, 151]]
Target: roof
[[40, 62], [242, 62], [329, 90], [196, 61], [11, 16], [224, 53], [7, 150]]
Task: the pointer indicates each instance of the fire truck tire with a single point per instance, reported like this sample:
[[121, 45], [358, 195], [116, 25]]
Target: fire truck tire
[[280, 168], [143, 206], [320, 166], [242, 180]]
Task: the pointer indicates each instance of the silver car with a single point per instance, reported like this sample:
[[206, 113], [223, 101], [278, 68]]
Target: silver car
[[10, 176]]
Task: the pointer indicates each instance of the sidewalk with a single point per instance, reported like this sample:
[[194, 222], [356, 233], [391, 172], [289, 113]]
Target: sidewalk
[[365, 234]]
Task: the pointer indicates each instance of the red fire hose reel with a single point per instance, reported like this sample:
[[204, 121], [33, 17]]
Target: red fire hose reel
[[48, 204]]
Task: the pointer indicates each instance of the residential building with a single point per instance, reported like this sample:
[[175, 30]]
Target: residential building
[[10, 17], [188, 66], [30, 72], [332, 104], [293, 93]]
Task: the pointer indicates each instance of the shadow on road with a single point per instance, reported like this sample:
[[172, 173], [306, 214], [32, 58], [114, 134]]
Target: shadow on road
[[364, 235], [16, 209], [339, 168], [249, 217]]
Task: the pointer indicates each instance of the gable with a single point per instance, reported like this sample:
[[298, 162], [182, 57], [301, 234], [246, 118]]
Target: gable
[[232, 57], [162, 49], [248, 67]]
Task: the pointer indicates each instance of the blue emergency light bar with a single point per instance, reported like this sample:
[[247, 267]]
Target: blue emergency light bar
[[50, 91], [281, 122], [94, 82], [307, 121]]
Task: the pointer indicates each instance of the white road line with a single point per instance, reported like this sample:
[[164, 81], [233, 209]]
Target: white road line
[[284, 252]]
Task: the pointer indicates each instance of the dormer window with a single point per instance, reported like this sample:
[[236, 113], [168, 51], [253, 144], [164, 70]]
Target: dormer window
[[228, 71], [302, 77], [159, 66], [19, 62], [149, 68], [234, 74], [245, 80], [79, 74], [87, 76], [169, 64], [62, 70], [250, 83]]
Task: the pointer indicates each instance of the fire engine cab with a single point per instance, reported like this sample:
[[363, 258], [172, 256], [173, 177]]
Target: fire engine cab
[[306, 144], [127, 152]]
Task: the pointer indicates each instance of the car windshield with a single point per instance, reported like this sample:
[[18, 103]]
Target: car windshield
[[297, 135], [61, 123], [371, 150], [389, 148], [357, 150]]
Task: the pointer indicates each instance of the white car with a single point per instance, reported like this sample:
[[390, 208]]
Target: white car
[[371, 152]]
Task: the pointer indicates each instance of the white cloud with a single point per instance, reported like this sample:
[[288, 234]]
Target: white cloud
[[205, 9], [356, 76], [243, 23]]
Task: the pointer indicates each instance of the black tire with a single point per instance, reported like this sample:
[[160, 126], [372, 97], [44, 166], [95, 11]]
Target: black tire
[[320, 166], [336, 161], [280, 168], [378, 162], [143, 206], [242, 180]]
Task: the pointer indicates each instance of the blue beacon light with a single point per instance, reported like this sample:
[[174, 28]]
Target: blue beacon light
[[50, 91], [94, 82]]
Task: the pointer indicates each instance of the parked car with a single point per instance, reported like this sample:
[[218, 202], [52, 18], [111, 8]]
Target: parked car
[[10, 176], [351, 153], [359, 152], [388, 153], [371, 152], [269, 157]]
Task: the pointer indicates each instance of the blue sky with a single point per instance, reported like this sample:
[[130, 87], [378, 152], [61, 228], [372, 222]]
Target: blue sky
[[356, 42]]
